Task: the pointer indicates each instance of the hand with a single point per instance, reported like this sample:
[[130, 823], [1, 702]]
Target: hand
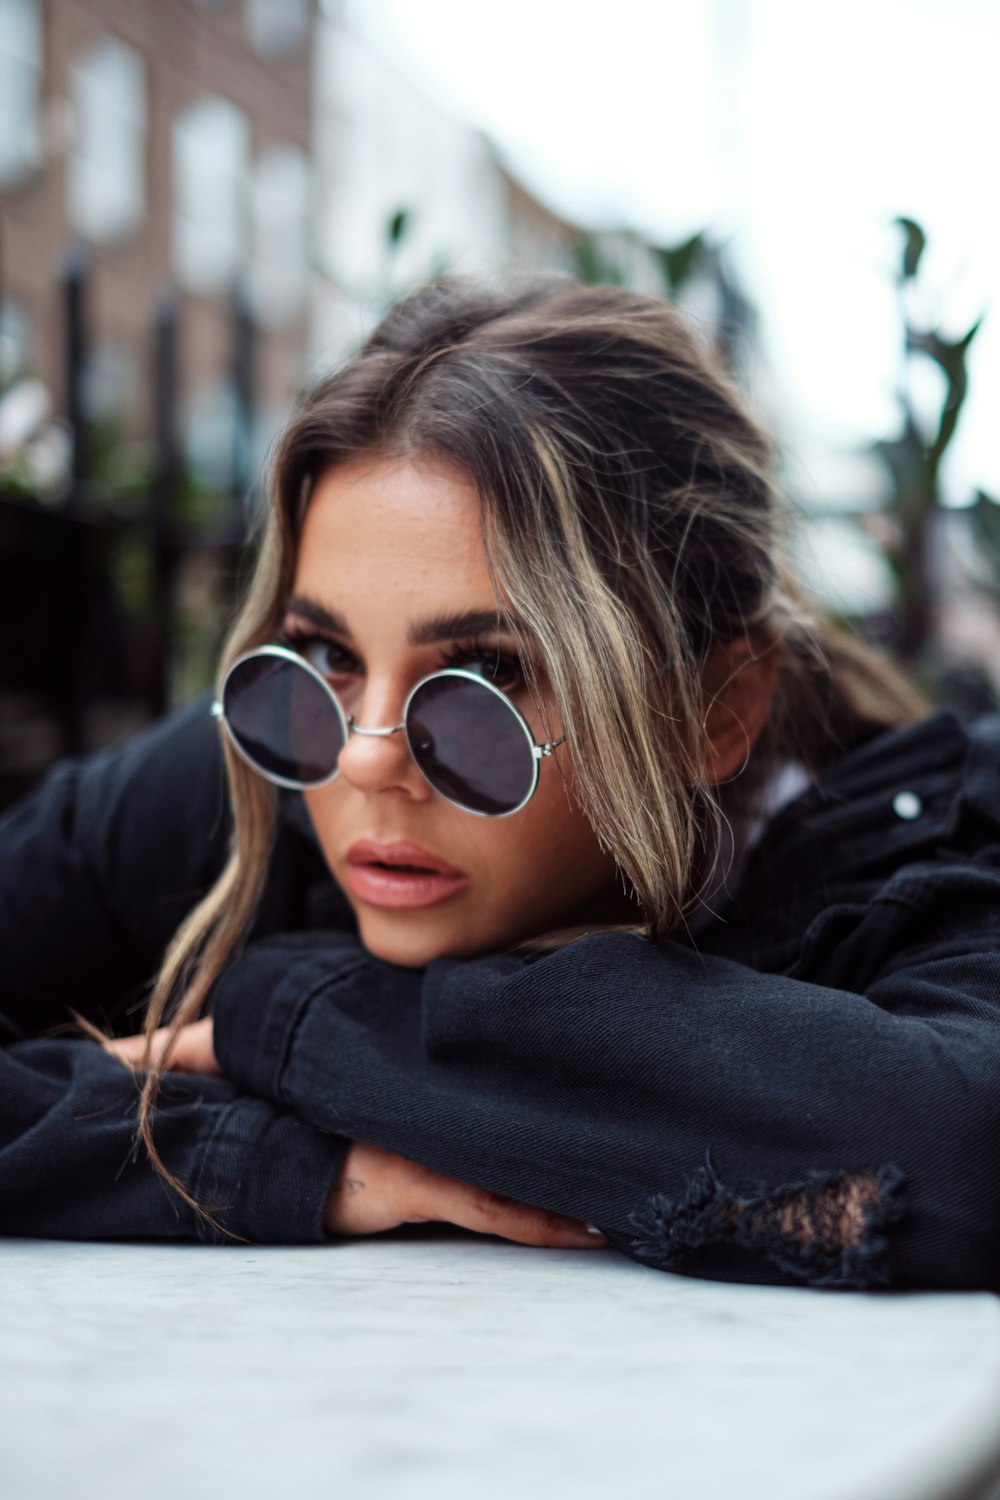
[[192, 1051], [376, 1190]]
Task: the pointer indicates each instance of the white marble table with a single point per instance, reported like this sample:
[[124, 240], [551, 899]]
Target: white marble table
[[436, 1363]]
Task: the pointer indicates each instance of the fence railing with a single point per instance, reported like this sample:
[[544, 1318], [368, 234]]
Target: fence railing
[[71, 643]]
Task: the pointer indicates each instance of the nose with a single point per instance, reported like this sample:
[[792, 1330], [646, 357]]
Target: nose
[[376, 756]]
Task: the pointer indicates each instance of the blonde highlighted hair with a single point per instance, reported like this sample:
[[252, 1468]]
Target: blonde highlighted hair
[[631, 519]]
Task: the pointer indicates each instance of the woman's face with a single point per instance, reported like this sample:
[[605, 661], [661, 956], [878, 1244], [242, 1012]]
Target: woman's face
[[387, 545]]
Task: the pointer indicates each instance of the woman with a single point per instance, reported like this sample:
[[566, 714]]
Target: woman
[[572, 866]]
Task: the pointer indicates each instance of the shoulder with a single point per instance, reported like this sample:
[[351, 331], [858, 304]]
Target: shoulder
[[898, 789], [907, 822], [102, 860], [159, 797], [132, 833]]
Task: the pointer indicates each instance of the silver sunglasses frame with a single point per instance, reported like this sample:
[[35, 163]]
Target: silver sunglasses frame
[[349, 727]]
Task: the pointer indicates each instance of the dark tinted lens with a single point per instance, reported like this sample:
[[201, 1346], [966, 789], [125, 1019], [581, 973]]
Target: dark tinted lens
[[283, 719], [470, 745]]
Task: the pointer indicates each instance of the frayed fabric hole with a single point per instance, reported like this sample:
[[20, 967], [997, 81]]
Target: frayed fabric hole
[[828, 1230]]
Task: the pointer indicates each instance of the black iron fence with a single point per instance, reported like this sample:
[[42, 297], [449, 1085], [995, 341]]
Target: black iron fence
[[91, 629]]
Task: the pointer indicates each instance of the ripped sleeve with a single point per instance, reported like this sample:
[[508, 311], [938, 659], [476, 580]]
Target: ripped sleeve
[[830, 1230]]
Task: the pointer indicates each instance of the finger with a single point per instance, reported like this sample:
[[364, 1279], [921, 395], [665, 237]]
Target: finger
[[492, 1213], [124, 1058], [196, 1048], [128, 1049], [132, 1049], [530, 1225]]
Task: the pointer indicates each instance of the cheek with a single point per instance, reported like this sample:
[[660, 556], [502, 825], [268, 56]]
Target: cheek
[[553, 856], [323, 816]]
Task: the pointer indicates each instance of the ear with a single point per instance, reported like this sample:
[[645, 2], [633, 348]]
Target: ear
[[740, 678]]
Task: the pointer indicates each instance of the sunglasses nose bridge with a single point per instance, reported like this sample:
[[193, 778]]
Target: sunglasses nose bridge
[[360, 729], [373, 769]]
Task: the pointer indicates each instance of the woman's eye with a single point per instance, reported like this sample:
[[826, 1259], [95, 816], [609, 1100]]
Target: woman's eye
[[498, 667], [326, 656]]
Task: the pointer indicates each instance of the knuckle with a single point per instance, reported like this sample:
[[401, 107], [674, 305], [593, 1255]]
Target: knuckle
[[491, 1206]]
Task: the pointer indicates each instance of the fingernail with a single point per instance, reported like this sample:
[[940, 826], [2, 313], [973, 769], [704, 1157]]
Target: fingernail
[[597, 1233]]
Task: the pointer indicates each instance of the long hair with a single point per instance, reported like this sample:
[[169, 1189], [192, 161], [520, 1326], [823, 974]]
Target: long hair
[[630, 517]]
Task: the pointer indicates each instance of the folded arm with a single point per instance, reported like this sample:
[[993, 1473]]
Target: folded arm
[[706, 1115], [97, 867], [70, 1166]]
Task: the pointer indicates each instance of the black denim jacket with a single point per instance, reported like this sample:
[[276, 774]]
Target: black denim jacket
[[808, 1092]]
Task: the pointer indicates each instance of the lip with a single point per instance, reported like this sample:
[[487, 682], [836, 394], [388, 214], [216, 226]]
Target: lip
[[398, 889], [397, 852]]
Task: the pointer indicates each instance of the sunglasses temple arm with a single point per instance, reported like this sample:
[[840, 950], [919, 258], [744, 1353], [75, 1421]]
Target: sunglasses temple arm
[[547, 749]]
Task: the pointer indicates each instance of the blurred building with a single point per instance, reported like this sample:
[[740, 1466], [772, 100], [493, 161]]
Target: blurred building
[[154, 317], [203, 204], [405, 189], [171, 139], [224, 148]]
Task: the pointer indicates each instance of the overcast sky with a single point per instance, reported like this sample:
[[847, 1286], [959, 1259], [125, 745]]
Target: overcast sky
[[795, 130]]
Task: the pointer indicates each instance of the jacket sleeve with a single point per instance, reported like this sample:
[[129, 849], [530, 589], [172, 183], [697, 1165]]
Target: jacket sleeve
[[97, 867], [710, 1118], [71, 1167]]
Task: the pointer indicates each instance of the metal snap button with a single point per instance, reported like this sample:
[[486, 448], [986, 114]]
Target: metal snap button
[[907, 805]]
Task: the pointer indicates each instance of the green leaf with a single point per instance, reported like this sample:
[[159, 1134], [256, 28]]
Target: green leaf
[[594, 267], [679, 262], [398, 224], [913, 249], [950, 355], [906, 460]]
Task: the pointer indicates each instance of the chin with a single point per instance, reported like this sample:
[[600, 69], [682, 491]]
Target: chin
[[415, 950]]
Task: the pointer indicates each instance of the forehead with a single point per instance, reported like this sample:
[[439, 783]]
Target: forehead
[[394, 524]]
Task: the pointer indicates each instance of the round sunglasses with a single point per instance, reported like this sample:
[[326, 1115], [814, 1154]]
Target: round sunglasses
[[468, 740]]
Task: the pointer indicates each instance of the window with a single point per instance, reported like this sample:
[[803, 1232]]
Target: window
[[277, 29], [210, 158], [109, 384], [212, 432], [280, 235], [16, 343], [20, 91], [106, 179]]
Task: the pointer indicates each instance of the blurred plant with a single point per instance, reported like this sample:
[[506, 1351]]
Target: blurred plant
[[395, 230], [696, 264], [679, 263], [984, 519], [735, 318], [119, 469], [914, 458], [594, 265], [599, 263], [195, 505], [35, 448]]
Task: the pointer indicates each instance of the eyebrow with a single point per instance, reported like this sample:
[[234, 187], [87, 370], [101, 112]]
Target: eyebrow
[[443, 627]]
